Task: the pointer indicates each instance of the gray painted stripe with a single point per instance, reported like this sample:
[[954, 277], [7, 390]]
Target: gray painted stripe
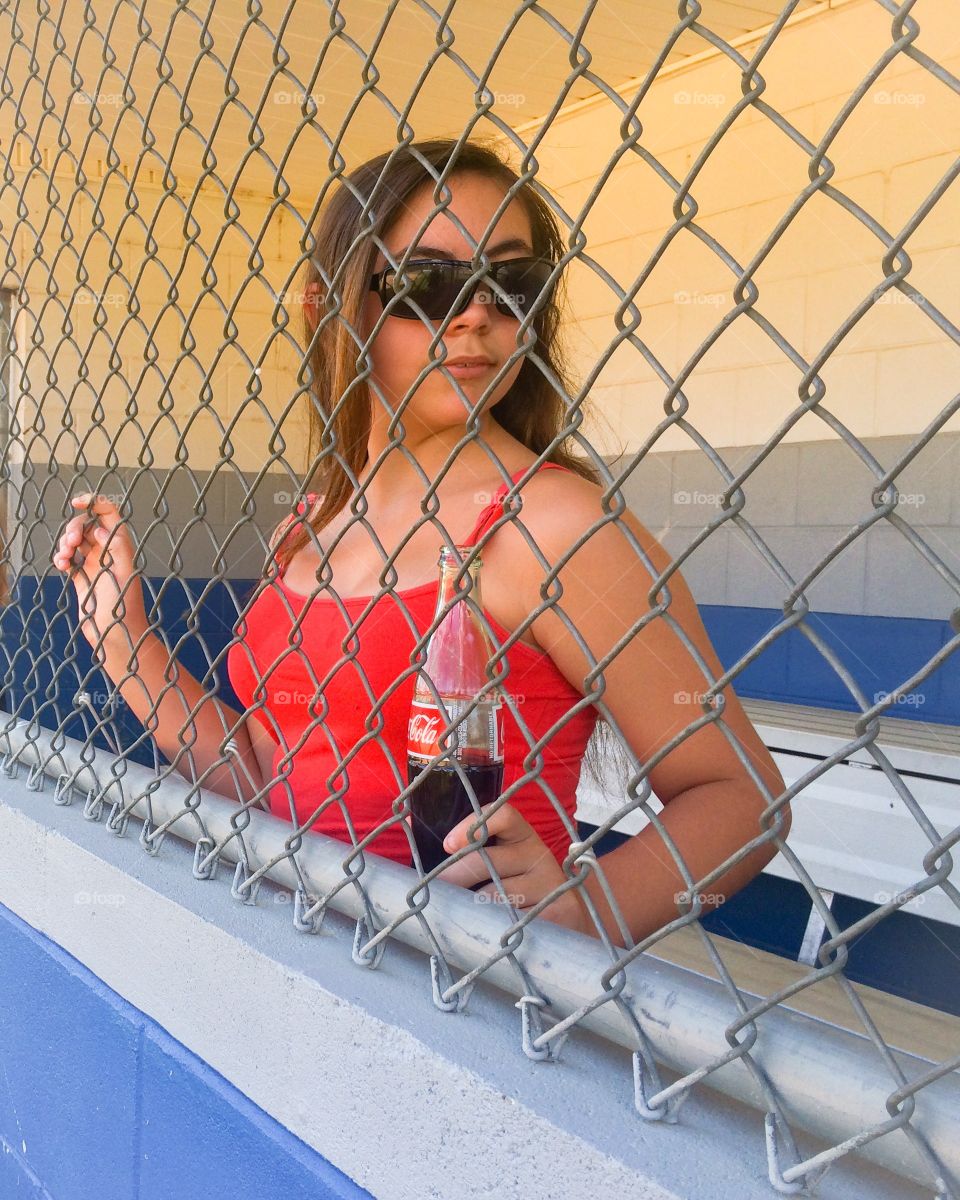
[[802, 499]]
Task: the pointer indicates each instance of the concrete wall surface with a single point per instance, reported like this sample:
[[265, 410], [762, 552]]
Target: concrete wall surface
[[161, 1039]]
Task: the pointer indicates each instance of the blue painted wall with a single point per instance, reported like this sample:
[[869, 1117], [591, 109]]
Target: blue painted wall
[[879, 652], [98, 1102]]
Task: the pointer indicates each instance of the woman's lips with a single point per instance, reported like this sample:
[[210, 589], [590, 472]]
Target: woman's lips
[[468, 370]]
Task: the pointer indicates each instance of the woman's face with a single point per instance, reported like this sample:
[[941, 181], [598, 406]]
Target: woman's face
[[400, 350]]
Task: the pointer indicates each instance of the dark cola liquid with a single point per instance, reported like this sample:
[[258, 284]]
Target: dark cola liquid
[[441, 801]]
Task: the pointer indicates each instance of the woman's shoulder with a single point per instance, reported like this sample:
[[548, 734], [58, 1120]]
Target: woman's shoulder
[[553, 506], [561, 507], [558, 496]]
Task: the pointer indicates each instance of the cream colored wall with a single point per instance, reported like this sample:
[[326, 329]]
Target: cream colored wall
[[895, 371], [188, 361], [892, 374]]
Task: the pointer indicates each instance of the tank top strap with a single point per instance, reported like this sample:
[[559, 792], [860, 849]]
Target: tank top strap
[[283, 529], [494, 509]]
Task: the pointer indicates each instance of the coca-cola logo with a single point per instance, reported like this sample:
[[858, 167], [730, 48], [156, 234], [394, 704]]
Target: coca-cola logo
[[423, 728]]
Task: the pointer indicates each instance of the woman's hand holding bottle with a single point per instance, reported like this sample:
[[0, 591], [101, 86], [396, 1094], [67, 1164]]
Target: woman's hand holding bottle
[[96, 551]]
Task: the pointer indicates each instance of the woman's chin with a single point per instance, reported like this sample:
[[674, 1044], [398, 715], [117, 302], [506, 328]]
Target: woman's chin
[[453, 409]]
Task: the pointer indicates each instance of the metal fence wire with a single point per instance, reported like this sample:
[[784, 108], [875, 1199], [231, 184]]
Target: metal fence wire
[[134, 140]]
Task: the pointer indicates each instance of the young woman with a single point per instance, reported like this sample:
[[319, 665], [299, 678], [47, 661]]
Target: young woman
[[326, 646]]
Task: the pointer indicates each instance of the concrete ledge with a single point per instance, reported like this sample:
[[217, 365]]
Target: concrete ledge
[[359, 1064], [100, 1103]]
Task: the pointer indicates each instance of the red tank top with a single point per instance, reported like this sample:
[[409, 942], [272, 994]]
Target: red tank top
[[341, 765]]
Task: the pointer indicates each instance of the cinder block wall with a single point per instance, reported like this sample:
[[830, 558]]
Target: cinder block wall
[[889, 377], [801, 500]]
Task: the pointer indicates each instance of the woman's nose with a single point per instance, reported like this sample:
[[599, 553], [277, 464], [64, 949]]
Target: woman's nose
[[479, 311]]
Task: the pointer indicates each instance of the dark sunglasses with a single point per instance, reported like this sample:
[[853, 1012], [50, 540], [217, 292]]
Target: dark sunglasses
[[436, 284]]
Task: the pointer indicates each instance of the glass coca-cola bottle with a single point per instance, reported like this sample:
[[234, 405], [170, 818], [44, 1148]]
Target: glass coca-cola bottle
[[458, 653]]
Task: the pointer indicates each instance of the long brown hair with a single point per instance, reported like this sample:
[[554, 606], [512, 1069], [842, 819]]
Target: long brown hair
[[533, 410], [344, 254]]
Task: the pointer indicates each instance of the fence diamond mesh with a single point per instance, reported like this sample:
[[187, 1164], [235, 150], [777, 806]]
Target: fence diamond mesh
[[168, 174]]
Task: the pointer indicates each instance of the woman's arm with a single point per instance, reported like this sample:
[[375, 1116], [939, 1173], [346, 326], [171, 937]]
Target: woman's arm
[[192, 744], [96, 551], [711, 802]]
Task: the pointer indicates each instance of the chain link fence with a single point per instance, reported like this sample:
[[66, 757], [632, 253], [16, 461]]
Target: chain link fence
[[165, 169]]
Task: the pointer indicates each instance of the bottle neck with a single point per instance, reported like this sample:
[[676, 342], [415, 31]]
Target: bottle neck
[[450, 567]]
